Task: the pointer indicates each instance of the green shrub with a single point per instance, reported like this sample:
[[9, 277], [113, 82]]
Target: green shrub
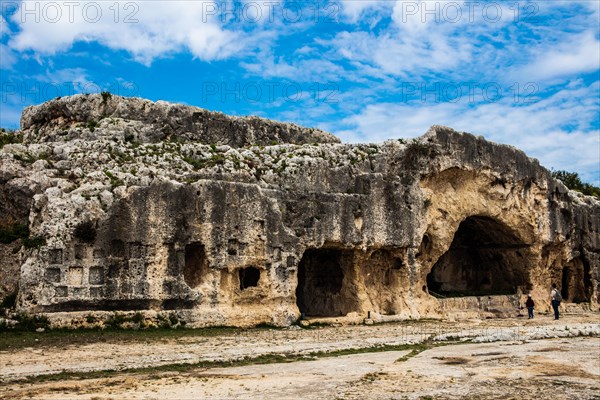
[[137, 318], [197, 164], [13, 232], [92, 125], [20, 231], [129, 137], [9, 301], [26, 158], [173, 319], [30, 322], [114, 181], [10, 137], [118, 319], [91, 319], [27, 322], [34, 242], [105, 96], [573, 182]]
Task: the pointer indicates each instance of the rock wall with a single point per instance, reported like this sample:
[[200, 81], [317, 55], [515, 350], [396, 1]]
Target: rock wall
[[245, 234], [135, 119]]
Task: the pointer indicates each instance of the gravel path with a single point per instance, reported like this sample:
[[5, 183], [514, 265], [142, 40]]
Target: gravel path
[[509, 350]]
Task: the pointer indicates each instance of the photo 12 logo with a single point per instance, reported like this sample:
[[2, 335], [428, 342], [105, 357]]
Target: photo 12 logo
[[471, 92], [130, 12], [271, 11], [467, 11], [26, 93], [71, 11], [269, 92]]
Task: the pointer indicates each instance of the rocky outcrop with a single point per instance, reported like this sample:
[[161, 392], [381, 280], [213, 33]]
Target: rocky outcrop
[[241, 234], [138, 120]]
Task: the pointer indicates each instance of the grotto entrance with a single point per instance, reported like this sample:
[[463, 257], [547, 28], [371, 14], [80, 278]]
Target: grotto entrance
[[324, 288], [576, 281], [196, 264], [485, 258]]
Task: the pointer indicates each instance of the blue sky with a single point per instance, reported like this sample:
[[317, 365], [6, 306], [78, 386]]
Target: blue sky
[[525, 73]]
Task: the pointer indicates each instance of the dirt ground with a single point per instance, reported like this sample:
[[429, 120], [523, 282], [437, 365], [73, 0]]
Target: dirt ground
[[503, 358]]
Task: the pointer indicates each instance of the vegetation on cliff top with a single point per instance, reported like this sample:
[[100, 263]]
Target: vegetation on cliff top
[[573, 182], [8, 136]]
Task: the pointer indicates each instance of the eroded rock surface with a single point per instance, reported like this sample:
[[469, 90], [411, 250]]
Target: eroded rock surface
[[204, 221], [135, 119]]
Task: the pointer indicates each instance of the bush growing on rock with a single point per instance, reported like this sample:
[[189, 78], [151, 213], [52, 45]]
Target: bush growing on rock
[[9, 137], [13, 232]]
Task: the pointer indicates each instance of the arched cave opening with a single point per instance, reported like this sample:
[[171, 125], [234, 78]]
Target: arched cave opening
[[576, 281], [485, 258], [323, 283], [196, 264]]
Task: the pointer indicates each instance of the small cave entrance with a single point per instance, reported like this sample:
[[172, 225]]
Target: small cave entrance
[[249, 277], [576, 281], [485, 258], [324, 277], [196, 264]]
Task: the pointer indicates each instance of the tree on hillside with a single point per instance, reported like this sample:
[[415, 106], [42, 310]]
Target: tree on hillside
[[573, 182]]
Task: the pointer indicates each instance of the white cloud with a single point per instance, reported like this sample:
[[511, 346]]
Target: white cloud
[[424, 36], [476, 40], [402, 55], [4, 28], [76, 78], [146, 29], [560, 130], [355, 10], [576, 54], [299, 70], [7, 57]]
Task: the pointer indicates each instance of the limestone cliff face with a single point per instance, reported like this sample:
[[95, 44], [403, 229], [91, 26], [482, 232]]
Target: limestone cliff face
[[135, 119], [203, 220]]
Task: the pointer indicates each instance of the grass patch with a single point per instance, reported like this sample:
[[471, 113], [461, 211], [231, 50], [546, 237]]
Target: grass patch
[[59, 338], [372, 377], [215, 159], [9, 137], [410, 355], [114, 181], [26, 323]]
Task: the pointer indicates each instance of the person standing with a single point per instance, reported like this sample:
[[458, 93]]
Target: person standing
[[555, 298], [530, 305]]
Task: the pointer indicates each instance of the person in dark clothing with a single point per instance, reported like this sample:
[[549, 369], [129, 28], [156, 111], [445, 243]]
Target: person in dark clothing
[[529, 304], [555, 298]]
